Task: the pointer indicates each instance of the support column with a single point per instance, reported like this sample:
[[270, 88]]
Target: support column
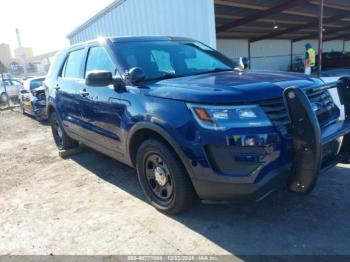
[[291, 55], [320, 38], [249, 55]]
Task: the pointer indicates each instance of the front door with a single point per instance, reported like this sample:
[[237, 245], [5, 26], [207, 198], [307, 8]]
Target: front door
[[101, 105]]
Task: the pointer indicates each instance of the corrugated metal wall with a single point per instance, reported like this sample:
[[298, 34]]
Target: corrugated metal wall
[[347, 46], [193, 19], [273, 54], [270, 54], [233, 48]]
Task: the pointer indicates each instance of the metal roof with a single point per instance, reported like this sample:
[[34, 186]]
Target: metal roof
[[280, 19], [269, 19]]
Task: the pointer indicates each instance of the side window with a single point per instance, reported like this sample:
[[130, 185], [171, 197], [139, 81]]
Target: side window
[[72, 67], [98, 59], [6, 83]]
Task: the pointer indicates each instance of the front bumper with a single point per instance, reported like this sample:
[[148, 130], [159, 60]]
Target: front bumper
[[218, 191], [311, 151], [310, 142], [39, 109]]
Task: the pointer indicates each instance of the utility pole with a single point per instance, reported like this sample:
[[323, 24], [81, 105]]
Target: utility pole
[[320, 39], [22, 56]]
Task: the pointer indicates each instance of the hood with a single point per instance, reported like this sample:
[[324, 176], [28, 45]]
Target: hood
[[230, 86]]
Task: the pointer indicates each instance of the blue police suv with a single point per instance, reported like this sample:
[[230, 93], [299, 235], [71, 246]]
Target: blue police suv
[[193, 125]]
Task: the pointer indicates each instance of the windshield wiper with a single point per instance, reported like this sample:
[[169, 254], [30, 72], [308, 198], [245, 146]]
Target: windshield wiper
[[215, 70], [219, 70], [164, 77], [169, 76]]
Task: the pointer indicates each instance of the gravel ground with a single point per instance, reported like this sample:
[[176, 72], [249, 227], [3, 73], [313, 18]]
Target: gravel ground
[[91, 204]]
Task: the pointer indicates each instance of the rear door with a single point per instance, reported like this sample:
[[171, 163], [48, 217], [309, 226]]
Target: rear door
[[101, 105], [70, 82], [11, 89]]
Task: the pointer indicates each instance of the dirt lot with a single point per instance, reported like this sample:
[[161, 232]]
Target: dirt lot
[[91, 204]]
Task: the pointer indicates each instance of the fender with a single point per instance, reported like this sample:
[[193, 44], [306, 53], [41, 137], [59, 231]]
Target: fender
[[51, 104], [165, 135]]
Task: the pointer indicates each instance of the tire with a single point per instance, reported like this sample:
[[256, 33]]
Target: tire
[[62, 140], [4, 98], [163, 178]]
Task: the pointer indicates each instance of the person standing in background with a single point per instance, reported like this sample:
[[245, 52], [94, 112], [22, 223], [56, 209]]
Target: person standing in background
[[310, 59]]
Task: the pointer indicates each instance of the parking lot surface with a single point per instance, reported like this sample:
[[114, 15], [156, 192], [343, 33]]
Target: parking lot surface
[[91, 204]]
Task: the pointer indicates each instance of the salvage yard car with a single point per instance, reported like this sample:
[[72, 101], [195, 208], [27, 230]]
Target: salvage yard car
[[33, 99], [192, 124], [9, 89]]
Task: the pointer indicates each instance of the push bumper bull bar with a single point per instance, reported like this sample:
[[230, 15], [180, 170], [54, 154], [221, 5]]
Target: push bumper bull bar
[[309, 139]]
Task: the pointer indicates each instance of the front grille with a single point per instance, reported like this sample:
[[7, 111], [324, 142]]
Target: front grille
[[277, 112]]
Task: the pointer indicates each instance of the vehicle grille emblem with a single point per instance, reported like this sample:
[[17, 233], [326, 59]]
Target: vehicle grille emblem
[[316, 106]]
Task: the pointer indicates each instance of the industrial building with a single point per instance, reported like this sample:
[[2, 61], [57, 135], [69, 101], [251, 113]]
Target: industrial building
[[272, 33], [5, 54]]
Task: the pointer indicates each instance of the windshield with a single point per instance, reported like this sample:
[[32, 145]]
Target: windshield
[[36, 83], [167, 59]]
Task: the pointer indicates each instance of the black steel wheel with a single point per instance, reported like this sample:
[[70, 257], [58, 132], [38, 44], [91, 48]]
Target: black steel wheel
[[163, 177], [159, 178], [62, 140]]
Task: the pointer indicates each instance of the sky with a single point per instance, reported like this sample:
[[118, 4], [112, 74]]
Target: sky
[[44, 24]]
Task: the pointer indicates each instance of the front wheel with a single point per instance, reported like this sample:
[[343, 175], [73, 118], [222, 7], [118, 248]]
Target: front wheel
[[4, 98], [62, 140], [163, 178]]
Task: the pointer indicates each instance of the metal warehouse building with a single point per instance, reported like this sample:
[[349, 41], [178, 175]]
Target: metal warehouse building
[[272, 33]]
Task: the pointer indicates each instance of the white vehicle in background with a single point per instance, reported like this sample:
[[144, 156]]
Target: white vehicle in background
[[332, 75], [9, 89]]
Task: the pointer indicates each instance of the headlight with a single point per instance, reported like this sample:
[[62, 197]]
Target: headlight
[[226, 117]]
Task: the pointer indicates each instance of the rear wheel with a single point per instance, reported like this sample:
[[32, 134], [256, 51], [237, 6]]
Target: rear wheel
[[62, 140], [163, 178]]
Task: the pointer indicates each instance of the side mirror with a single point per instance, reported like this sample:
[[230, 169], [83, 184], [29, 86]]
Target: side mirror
[[243, 62], [135, 75], [99, 78]]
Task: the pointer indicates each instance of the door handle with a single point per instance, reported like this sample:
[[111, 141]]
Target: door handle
[[84, 92]]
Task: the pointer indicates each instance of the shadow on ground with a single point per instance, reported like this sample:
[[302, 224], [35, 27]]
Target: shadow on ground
[[283, 223]]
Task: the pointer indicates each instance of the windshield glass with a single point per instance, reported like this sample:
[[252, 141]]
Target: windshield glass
[[167, 59], [36, 83]]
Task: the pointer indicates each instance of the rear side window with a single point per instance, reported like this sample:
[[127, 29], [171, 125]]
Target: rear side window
[[98, 59], [72, 67], [6, 83]]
